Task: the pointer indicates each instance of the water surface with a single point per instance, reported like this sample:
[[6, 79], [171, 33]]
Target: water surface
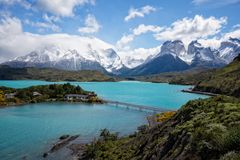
[[143, 93], [30, 129]]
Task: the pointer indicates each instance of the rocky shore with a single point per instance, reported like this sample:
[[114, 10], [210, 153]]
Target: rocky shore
[[63, 141]]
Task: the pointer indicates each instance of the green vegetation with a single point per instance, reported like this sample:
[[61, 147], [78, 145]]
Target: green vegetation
[[2, 98], [49, 74], [223, 81], [160, 117], [43, 93], [201, 129], [188, 77]]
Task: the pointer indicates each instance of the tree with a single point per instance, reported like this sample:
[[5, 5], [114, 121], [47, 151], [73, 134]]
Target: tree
[[107, 135], [2, 98]]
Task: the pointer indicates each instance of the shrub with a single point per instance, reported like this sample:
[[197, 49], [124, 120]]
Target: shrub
[[2, 98], [164, 116], [232, 139], [106, 135], [231, 156]]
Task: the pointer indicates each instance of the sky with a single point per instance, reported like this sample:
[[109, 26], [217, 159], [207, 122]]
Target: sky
[[132, 27]]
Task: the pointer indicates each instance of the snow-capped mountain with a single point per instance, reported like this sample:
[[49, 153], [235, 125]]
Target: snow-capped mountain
[[94, 54], [229, 49], [174, 57], [90, 54], [175, 48], [167, 60], [201, 56]]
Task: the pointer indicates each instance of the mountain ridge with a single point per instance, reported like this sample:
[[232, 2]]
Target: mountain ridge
[[105, 59], [51, 74]]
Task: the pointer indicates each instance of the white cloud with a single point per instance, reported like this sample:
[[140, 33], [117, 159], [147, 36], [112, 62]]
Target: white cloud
[[233, 34], [91, 25], [236, 26], [122, 44], [186, 29], [43, 25], [142, 28], [62, 7], [139, 12], [135, 57], [189, 29], [215, 42], [22, 3], [15, 42], [51, 19], [214, 3], [10, 25]]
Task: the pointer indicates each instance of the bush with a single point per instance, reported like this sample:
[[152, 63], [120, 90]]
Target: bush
[[231, 156], [232, 139], [106, 135], [164, 116]]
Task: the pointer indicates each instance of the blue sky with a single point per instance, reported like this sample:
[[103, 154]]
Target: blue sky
[[106, 19]]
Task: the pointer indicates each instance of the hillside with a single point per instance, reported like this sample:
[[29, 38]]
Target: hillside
[[160, 64], [49, 74], [200, 130], [188, 77], [223, 81], [203, 129]]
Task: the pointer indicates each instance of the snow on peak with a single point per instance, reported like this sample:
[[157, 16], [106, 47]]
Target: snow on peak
[[87, 49], [175, 48], [229, 49], [92, 51]]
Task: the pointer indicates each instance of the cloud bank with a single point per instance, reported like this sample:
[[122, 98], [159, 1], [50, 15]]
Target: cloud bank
[[139, 12], [91, 25], [15, 42], [62, 8], [188, 29]]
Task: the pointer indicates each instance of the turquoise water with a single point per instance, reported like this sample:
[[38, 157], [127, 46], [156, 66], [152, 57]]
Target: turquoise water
[[144, 93], [30, 129]]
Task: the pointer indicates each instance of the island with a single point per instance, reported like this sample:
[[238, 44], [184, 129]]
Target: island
[[46, 93]]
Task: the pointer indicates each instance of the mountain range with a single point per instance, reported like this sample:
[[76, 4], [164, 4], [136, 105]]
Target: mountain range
[[97, 55]]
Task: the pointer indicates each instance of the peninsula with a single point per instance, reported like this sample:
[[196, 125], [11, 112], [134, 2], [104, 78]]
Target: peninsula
[[46, 93]]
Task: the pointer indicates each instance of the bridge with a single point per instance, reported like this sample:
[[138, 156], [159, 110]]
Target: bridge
[[135, 106]]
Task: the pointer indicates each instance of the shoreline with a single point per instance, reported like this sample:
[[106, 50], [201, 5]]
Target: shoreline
[[51, 101], [199, 92]]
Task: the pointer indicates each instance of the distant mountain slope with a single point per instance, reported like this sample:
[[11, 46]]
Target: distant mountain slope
[[229, 49], [223, 81], [50, 74], [174, 57], [203, 56], [94, 54], [163, 63], [91, 54], [187, 77]]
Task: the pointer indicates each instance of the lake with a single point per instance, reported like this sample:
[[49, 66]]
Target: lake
[[29, 130]]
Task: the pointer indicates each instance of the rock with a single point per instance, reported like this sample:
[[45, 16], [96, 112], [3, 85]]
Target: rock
[[64, 137], [77, 150], [45, 155], [63, 141]]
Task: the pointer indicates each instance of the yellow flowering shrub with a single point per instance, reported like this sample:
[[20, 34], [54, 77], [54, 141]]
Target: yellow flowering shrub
[[164, 116], [2, 98]]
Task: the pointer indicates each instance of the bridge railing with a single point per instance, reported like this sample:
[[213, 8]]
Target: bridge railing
[[136, 106]]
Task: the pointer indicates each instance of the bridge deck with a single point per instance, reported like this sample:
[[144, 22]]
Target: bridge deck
[[135, 106]]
